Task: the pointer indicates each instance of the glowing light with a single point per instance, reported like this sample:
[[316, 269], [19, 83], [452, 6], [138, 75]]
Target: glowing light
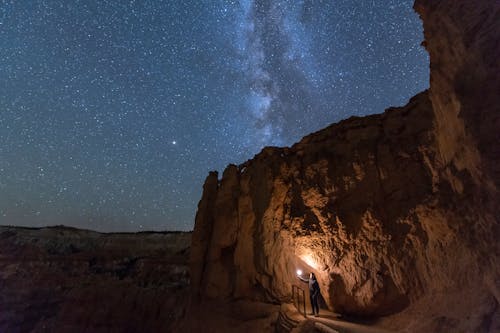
[[299, 272], [307, 256], [310, 261]]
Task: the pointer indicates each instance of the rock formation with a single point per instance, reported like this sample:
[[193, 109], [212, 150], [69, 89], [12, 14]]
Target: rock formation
[[68, 280], [395, 213]]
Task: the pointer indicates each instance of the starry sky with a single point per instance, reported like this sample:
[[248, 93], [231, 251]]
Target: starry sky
[[112, 113]]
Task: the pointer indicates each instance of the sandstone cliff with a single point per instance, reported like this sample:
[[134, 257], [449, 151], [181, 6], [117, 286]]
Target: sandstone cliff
[[68, 280], [395, 213]]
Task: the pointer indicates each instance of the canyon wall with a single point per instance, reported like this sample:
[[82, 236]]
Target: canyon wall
[[462, 38], [394, 213], [62, 279]]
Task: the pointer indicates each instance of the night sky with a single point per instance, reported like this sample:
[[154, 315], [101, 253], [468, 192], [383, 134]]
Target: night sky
[[112, 113]]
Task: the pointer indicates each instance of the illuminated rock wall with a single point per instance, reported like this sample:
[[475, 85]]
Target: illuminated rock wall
[[393, 212], [342, 202]]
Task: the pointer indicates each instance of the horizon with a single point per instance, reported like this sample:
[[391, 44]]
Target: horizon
[[115, 120]]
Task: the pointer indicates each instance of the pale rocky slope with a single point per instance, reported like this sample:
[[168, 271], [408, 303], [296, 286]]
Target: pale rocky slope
[[62, 279], [396, 213]]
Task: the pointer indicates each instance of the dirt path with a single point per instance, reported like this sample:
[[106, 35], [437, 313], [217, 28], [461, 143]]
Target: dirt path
[[330, 319]]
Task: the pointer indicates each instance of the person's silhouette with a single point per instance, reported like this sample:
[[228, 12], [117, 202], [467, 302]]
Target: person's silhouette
[[314, 292]]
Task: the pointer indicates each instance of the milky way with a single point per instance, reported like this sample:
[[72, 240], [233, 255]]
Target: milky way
[[113, 112]]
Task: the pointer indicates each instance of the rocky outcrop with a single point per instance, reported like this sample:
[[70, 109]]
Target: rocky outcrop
[[68, 280], [462, 38], [395, 213]]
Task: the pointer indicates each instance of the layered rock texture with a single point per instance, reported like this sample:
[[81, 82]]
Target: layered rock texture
[[396, 213], [68, 280]]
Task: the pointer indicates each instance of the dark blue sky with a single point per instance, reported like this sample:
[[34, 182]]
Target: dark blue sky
[[113, 112]]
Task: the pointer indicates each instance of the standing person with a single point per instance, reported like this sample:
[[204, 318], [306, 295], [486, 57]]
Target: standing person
[[314, 292]]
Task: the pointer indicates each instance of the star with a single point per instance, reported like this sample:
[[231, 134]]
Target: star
[[87, 121]]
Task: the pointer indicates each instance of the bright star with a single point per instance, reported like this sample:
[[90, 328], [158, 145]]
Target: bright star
[[174, 142]]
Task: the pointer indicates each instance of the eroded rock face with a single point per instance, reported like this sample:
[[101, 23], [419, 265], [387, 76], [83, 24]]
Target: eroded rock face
[[69, 280], [393, 212], [462, 38], [341, 203]]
